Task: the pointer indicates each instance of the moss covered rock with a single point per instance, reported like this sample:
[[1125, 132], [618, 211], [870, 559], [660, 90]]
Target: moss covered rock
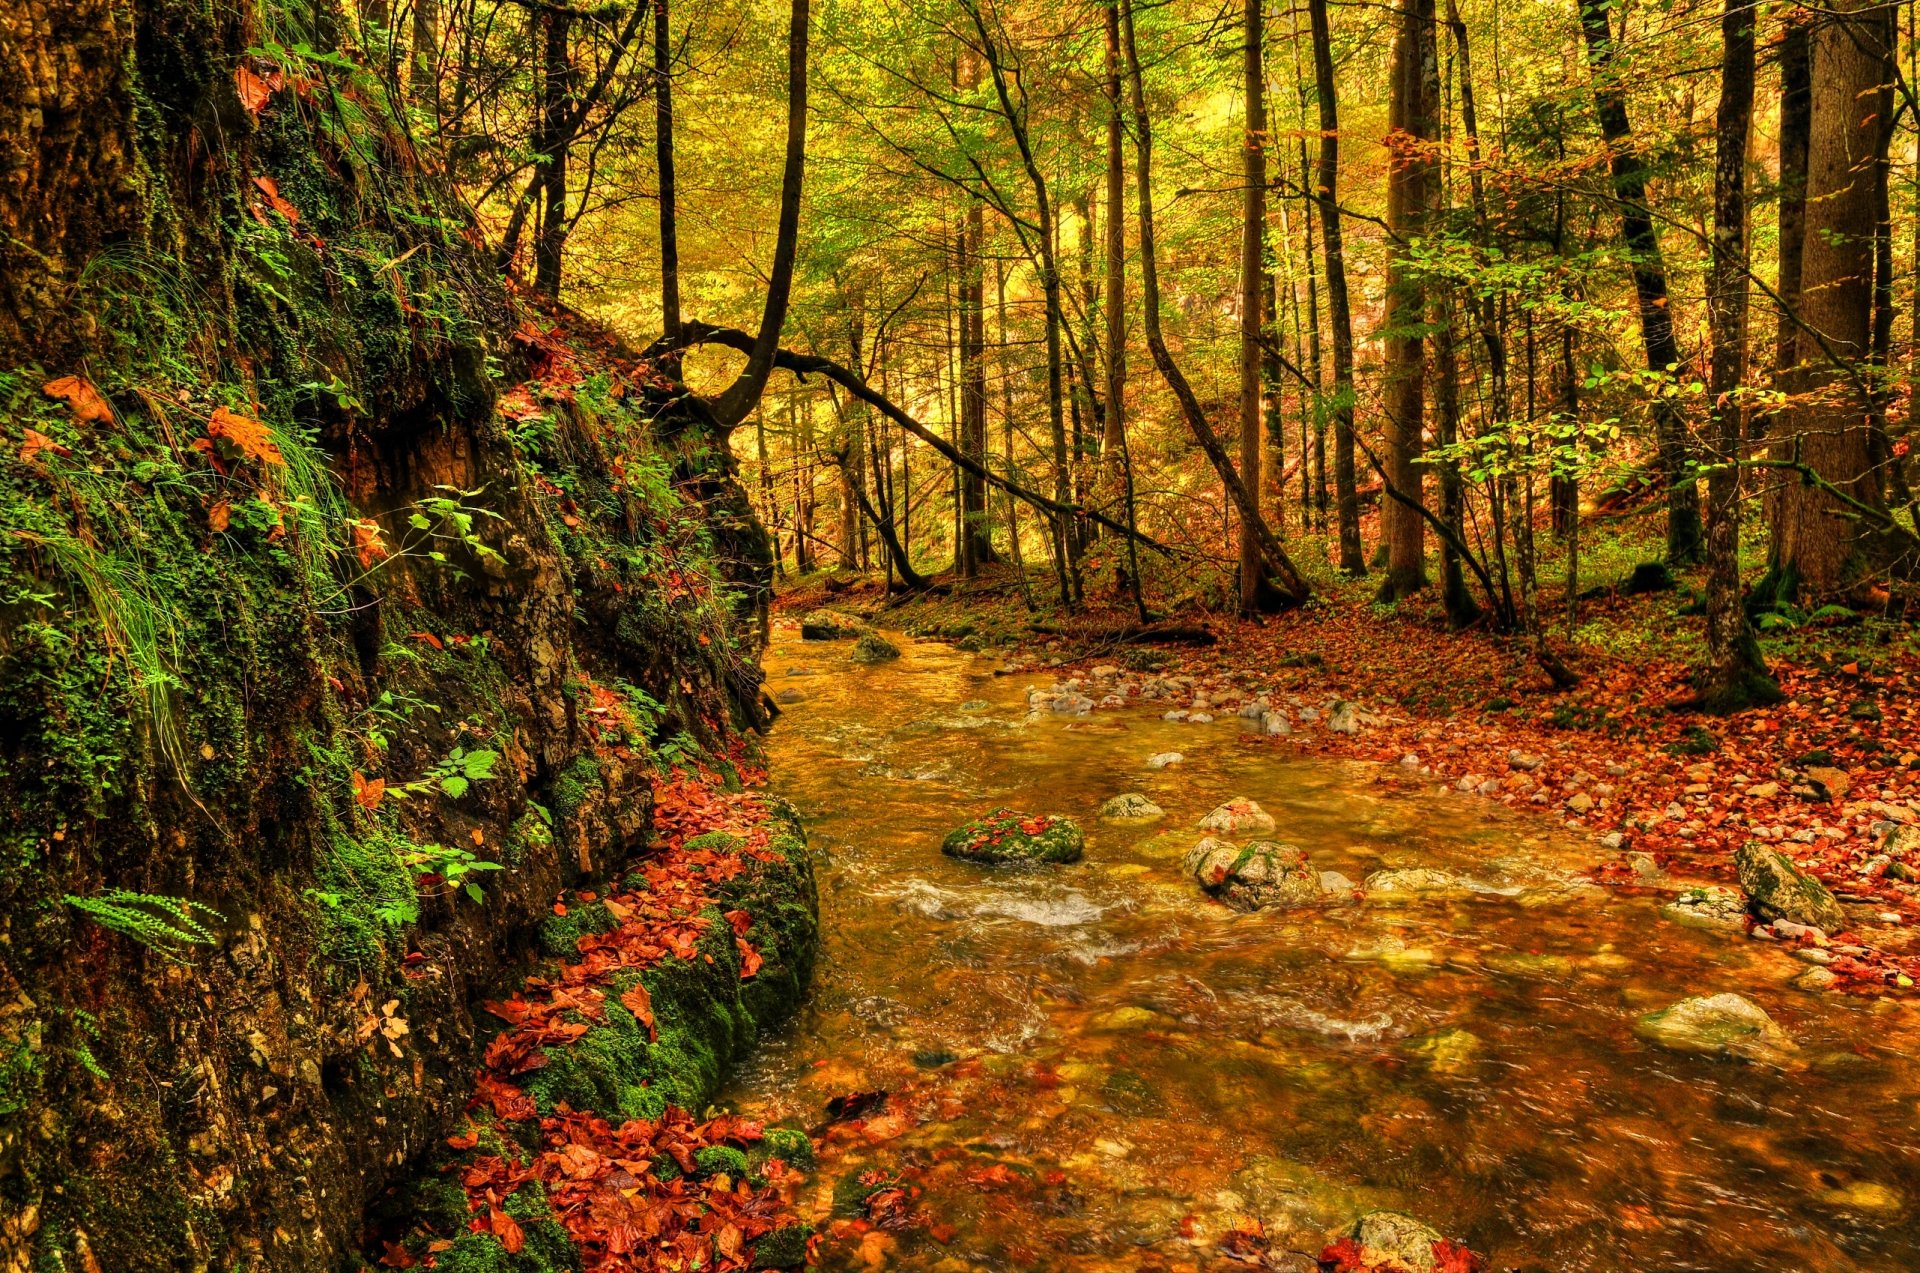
[[1254, 876], [1009, 836], [1725, 1024], [874, 648], [1777, 889]]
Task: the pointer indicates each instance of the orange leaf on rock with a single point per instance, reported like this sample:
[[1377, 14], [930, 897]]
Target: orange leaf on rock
[[750, 960], [218, 518], [368, 545], [637, 1001], [508, 1230], [78, 392], [235, 437], [437, 644]]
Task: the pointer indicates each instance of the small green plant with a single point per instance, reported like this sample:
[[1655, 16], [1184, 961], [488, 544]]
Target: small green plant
[[462, 768], [451, 865], [166, 925], [1693, 741]]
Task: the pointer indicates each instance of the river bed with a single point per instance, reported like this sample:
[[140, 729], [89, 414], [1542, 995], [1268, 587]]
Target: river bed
[[1094, 1067]]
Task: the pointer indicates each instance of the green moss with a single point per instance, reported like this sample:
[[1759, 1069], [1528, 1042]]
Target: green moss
[[1003, 836], [577, 783], [596, 1070], [714, 1160], [474, 1253], [790, 1145], [560, 934], [717, 841], [784, 1248]]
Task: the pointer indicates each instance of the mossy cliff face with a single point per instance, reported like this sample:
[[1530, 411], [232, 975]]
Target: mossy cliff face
[[320, 673]]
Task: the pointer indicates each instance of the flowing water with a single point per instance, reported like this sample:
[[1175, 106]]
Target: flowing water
[[1096, 1068]]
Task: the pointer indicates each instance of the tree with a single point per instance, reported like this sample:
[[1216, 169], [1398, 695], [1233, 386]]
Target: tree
[[1284, 575], [1735, 674], [1413, 126], [1256, 593], [1629, 173], [1339, 313], [1816, 538]]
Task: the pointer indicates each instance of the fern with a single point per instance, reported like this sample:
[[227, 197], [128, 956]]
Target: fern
[[166, 925]]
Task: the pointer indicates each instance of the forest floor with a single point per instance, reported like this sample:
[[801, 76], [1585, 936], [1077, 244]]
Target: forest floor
[[1828, 775]]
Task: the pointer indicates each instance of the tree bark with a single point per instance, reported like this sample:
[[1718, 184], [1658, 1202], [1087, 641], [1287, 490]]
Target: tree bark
[[976, 529], [1629, 174], [556, 111], [1115, 298], [1256, 594], [1735, 674], [663, 159], [1826, 427], [1353, 560], [1413, 125]]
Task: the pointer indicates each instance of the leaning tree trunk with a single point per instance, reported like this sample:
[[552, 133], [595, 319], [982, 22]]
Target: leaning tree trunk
[[1629, 173], [1413, 121], [1825, 428], [1735, 675]]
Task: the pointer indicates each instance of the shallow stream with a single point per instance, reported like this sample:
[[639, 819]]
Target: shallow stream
[[1097, 1068]]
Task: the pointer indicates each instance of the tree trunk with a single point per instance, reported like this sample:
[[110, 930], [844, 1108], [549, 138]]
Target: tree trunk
[[731, 407], [1255, 593], [1115, 299], [1629, 173], [1285, 577], [977, 529], [1825, 428], [1735, 675], [1413, 123], [663, 158], [426, 54], [556, 110], [1353, 560]]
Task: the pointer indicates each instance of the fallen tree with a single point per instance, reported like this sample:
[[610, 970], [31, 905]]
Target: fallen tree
[[693, 332]]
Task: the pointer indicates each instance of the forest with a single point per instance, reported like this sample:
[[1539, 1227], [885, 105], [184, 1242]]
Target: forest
[[959, 635]]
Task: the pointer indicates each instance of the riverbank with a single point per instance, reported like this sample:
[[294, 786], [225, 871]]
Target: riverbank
[[589, 1142], [1830, 776]]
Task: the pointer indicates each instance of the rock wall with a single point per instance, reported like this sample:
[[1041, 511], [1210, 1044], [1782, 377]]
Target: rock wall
[[320, 673]]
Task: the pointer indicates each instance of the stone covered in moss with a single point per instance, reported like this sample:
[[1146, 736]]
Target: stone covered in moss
[[784, 1248], [1777, 889], [1131, 806], [1254, 876], [1239, 816], [1008, 836], [874, 648], [790, 1145], [1717, 1025], [829, 625], [560, 934], [721, 1160]]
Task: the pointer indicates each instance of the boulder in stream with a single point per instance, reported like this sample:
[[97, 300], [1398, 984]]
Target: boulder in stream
[[1725, 1024], [1131, 806], [1254, 876], [1710, 906], [829, 625], [1006, 835], [1164, 760], [874, 648], [1394, 1240], [1413, 881], [1238, 816], [1777, 889]]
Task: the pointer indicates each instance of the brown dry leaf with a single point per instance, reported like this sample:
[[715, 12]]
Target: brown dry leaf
[[219, 516], [368, 790], [37, 442], [255, 90], [367, 542], [507, 1229], [271, 188], [89, 407], [637, 1001], [244, 435], [479, 836]]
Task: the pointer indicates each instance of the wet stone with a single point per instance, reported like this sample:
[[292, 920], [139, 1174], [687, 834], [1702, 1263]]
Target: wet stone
[[1725, 1024], [1238, 816], [1395, 1240], [1131, 806], [1708, 907], [1009, 836], [874, 648], [1261, 874], [1777, 889]]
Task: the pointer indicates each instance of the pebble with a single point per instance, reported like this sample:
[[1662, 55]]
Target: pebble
[[1164, 759]]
